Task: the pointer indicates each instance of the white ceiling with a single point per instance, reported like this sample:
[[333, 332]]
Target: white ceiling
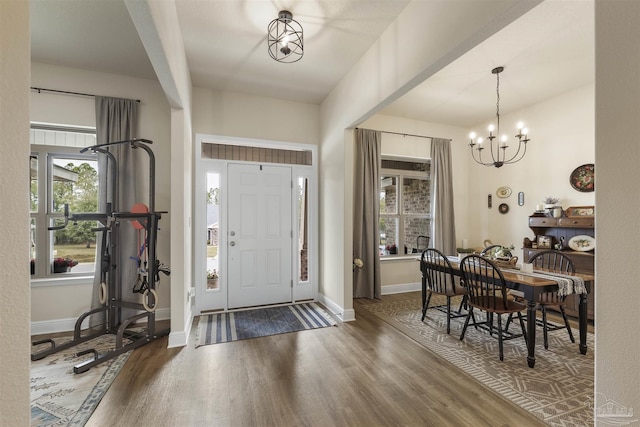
[[548, 51]]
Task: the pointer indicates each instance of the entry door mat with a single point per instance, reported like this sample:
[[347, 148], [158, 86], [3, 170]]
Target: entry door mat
[[240, 325], [558, 390], [59, 397]]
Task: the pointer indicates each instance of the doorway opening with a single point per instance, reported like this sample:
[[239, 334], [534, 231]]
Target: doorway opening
[[235, 223]]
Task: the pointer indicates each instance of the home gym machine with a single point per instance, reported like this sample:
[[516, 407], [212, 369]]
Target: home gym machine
[[144, 219]]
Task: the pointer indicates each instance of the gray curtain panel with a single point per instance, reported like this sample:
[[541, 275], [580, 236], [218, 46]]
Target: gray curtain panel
[[366, 238], [116, 120], [443, 232]]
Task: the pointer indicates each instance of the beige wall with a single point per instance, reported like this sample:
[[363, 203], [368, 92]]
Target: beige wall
[[618, 203], [249, 116], [562, 132], [14, 213]]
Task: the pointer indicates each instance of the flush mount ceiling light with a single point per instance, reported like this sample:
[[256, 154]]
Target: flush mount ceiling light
[[499, 148], [285, 38]]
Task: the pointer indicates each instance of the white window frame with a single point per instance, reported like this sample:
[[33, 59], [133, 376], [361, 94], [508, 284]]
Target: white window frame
[[400, 175], [44, 214]]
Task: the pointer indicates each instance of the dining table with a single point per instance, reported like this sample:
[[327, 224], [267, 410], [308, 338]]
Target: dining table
[[531, 286]]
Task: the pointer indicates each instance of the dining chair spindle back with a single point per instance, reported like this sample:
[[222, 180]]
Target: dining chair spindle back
[[438, 278], [556, 262], [487, 291]]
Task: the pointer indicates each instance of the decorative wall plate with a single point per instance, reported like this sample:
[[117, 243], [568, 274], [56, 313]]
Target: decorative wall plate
[[582, 243], [583, 178], [503, 208], [503, 192]]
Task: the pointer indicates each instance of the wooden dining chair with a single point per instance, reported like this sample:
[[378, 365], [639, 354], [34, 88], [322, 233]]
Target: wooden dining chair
[[487, 291], [438, 278], [422, 243], [557, 262], [489, 251]]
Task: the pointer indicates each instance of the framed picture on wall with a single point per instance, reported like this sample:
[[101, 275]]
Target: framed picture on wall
[[544, 242]]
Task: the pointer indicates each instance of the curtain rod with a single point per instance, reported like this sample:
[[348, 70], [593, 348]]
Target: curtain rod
[[405, 134], [41, 89]]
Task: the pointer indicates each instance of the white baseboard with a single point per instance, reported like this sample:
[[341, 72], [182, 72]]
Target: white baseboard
[[336, 310], [177, 339], [69, 324], [181, 338], [401, 288]]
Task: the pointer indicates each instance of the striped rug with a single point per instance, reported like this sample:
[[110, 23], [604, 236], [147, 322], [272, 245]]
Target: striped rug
[[240, 325]]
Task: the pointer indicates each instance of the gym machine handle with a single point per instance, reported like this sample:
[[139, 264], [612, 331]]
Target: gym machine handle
[[66, 219]]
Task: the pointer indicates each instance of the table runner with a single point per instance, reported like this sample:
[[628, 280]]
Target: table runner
[[567, 284]]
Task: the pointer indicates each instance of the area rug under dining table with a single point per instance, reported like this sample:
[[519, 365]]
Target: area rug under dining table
[[556, 391]]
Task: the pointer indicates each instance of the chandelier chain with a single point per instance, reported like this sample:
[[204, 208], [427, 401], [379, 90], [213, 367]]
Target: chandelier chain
[[498, 103]]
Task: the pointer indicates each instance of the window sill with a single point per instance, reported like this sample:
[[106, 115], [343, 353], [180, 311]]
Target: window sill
[[407, 257], [62, 281]]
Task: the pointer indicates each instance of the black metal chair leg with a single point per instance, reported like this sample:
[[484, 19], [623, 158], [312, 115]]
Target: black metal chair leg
[[448, 315], [566, 323], [466, 323], [490, 323], [545, 327], [463, 303], [500, 337], [426, 306], [524, 331], [509, 320]]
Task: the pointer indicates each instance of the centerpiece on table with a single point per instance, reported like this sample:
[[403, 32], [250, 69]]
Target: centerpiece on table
[[463, 252], [502, 256]]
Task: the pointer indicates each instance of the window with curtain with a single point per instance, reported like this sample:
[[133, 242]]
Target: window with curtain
[[61, 175], [404, 205]]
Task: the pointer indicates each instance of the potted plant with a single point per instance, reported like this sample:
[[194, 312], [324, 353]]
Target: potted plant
[[551, 202], [463, 252], [392, 249], [552, 206], [63, 265], [212, 278]]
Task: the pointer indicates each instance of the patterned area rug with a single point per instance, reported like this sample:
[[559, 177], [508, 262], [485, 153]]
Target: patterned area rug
[[556, 390], [61, 398], [239, 325]]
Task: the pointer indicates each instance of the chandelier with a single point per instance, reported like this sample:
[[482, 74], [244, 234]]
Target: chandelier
[[285, 38], [498, 149]]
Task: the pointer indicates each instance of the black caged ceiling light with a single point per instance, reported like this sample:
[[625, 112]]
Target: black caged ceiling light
[[499, 148], [285, 38]]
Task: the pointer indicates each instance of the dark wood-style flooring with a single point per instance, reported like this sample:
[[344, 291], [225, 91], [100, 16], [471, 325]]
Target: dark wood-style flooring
[[362, 373]]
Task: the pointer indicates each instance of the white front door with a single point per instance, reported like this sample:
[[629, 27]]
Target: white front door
[[259, 239]]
